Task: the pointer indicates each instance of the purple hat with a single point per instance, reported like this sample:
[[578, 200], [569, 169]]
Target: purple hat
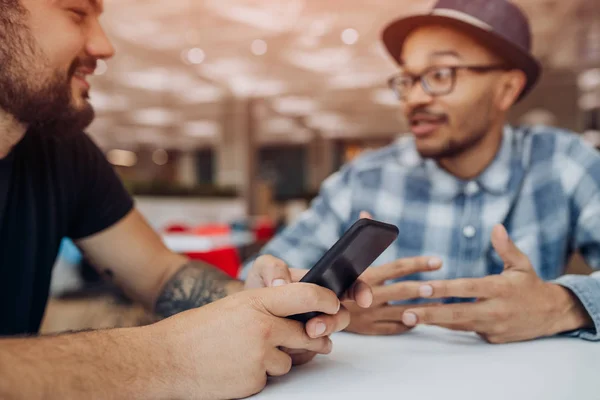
[[498, 24]]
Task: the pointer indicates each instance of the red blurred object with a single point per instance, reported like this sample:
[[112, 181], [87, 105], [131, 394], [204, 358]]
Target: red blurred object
[[177, 228], [226, 259], [212, 230], [264, 230]]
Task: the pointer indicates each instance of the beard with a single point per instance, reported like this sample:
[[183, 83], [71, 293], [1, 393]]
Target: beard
[[477, 123], [32, 91]]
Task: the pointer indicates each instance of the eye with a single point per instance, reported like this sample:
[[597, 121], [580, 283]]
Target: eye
[[403, 82], [440, 75], [78, 14]]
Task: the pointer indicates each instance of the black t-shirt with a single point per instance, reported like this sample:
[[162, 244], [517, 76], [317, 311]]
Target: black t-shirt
[[50, 187]]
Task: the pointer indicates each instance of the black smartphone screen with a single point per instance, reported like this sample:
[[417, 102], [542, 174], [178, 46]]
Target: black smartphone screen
[[349, 257]]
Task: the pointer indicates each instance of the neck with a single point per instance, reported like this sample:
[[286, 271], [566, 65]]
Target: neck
[[473, 161], [11, 132]]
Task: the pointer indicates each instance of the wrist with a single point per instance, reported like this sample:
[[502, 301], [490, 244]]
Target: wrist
[[569, 313]]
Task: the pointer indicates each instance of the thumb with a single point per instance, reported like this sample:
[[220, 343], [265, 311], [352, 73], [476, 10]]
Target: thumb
[[514, 259], [365, 214]]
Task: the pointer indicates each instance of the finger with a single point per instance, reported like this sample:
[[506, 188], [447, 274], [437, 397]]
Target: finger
[[397, 291], [325, 325], [401, 268], [449, 314], [457, 327], [390, 328], [272, 271], [365, 215], [488, 287], [278, 363], [297, 298], [507, 250], [297, 339], [396, 313], [299, 357], [361, 293], [303, 358]]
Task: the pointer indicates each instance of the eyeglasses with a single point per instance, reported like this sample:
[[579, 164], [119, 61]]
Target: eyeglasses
[[436, 81]]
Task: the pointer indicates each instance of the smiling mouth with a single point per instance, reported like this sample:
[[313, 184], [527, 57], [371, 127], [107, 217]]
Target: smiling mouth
[[81, 76]]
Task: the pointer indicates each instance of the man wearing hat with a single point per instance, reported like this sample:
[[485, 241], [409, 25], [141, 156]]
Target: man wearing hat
[[465, 176]]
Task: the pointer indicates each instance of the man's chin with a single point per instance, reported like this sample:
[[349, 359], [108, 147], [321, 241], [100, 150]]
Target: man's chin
[[430, 150]]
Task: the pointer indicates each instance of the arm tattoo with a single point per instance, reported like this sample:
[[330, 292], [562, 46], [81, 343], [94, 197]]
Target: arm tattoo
[[194, 285]]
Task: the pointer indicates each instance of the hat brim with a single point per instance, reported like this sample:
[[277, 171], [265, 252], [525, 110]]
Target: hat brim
[[396, 33]]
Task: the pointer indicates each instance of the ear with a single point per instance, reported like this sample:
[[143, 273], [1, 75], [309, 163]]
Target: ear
[[510, 88]]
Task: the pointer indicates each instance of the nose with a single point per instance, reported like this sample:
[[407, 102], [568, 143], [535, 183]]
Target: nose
[[99, 45]]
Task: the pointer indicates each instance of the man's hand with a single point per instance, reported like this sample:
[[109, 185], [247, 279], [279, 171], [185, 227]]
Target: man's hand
[[513, 306], [268, 271], [382, 318], [228, 348]]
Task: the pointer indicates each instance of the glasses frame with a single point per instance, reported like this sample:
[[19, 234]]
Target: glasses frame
[[453, 69]]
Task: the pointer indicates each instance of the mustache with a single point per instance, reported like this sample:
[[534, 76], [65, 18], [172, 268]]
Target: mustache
[[425, 112]]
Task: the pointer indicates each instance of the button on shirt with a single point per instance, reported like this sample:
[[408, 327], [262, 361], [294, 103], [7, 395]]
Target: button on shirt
[[543, 185]]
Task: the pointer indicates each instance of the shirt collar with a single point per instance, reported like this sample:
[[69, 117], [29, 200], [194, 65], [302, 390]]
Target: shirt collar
[[495, 179]]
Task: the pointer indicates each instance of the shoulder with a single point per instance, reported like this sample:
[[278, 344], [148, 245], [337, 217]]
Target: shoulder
[[560, 145], [563, 152]]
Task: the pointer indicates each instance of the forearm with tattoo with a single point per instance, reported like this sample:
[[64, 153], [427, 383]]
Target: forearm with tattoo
[[194, 285]]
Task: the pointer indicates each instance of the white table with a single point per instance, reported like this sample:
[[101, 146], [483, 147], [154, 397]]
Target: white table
[[187, 243], [434, 363]]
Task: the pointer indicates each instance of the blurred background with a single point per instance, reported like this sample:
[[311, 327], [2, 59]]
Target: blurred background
[[223, 117]]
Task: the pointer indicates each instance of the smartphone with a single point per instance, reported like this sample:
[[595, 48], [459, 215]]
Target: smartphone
[[349, 257]]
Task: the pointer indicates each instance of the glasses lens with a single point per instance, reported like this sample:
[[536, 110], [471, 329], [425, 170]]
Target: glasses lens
[[439, 80], [401, 84]]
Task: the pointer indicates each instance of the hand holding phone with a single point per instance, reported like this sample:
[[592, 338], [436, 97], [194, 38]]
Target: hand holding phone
[[349, 257]]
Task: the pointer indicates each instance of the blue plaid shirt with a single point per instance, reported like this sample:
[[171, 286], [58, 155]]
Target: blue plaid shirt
[[543, 185]]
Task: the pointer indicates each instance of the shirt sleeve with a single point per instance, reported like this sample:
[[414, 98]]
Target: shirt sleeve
[[305, 241], [586, 239], [101, 200]]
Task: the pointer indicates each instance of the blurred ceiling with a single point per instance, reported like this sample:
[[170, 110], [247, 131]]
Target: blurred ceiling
[[319, 65]]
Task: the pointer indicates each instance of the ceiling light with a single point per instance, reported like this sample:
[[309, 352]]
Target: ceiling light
[[122, 158], [202, 129], [196, 56], [225, 68], [192, 36], [293, 105], [589, 101], [589, 80], [154, 117], [353, 80], [259, 47], [327, 121], [327, 60], [200, 94], [155, 79], [160, 157], [318, 27], [101, 67], [280, 126], [104, 102], [254, 86], [385, 97], [350, 36]]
